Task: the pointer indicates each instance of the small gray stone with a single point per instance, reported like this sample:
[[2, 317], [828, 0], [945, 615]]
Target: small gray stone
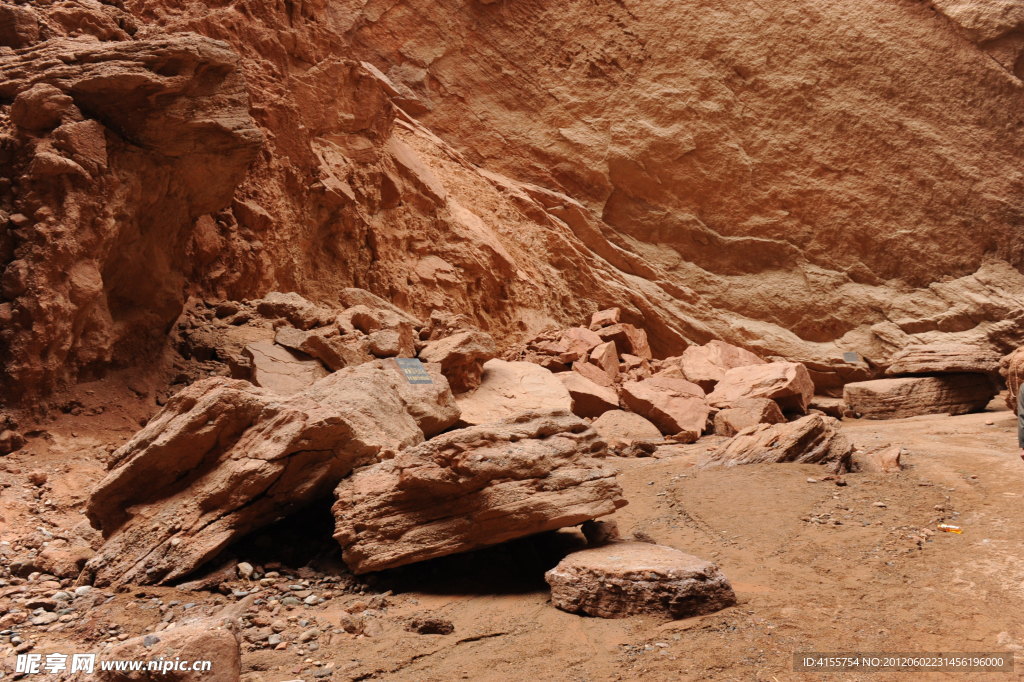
[[150, 640], [45, 618]]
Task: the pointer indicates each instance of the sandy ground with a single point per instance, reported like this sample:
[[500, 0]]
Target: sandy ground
[[817, 566]]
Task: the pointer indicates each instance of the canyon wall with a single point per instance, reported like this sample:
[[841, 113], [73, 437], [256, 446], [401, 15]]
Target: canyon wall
[[800, 178]]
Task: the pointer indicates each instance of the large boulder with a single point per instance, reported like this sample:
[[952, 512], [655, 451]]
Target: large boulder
[[620, 429], [814, 439], [912, 396], [589, 399], [676, 406], [623, 579], [462, 357], [787, 383], [508, 389], [947, 358], [706, 365], [224, 458], [474, 487], [745, 413], [193, 642], [281, 370]]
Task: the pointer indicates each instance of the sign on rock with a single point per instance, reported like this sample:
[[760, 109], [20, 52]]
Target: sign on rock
[[414, 371]]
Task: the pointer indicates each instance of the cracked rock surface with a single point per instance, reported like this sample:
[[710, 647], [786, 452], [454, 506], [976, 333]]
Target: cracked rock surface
[[224, 458]]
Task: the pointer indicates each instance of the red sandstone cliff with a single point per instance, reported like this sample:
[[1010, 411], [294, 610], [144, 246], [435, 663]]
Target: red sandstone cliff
[[798, 177]]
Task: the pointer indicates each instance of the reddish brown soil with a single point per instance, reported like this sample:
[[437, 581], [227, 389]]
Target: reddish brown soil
[[817, 566]]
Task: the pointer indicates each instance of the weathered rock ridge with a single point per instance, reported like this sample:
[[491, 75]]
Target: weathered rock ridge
[[522, 163]]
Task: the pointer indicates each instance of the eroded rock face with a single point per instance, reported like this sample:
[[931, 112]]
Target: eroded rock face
[[944, 359], [787, 383], [224, 458], [107, 198], [525, 216], [814, 439], [912, 396], [624, 579], [474, 487]]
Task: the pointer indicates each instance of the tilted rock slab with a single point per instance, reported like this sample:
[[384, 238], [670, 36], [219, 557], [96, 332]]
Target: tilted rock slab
[[746, 413], [912, 396], [629, 578], [589, 399], [474, 487], [676, 406], [224, 458], [787, 383], [814, 439]]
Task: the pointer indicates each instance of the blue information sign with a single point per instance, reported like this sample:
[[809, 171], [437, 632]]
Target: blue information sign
[[414, 371]]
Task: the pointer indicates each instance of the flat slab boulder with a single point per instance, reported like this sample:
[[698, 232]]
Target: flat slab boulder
[[624, 579], [676, 406], [745, 413], [620, 429], [508, 389], [706, 365], [224, 458], [461, 357], [912, 396], [588, 398], [474, 487], [787, 383], [814, 439], [281, 370], [949, 358]]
